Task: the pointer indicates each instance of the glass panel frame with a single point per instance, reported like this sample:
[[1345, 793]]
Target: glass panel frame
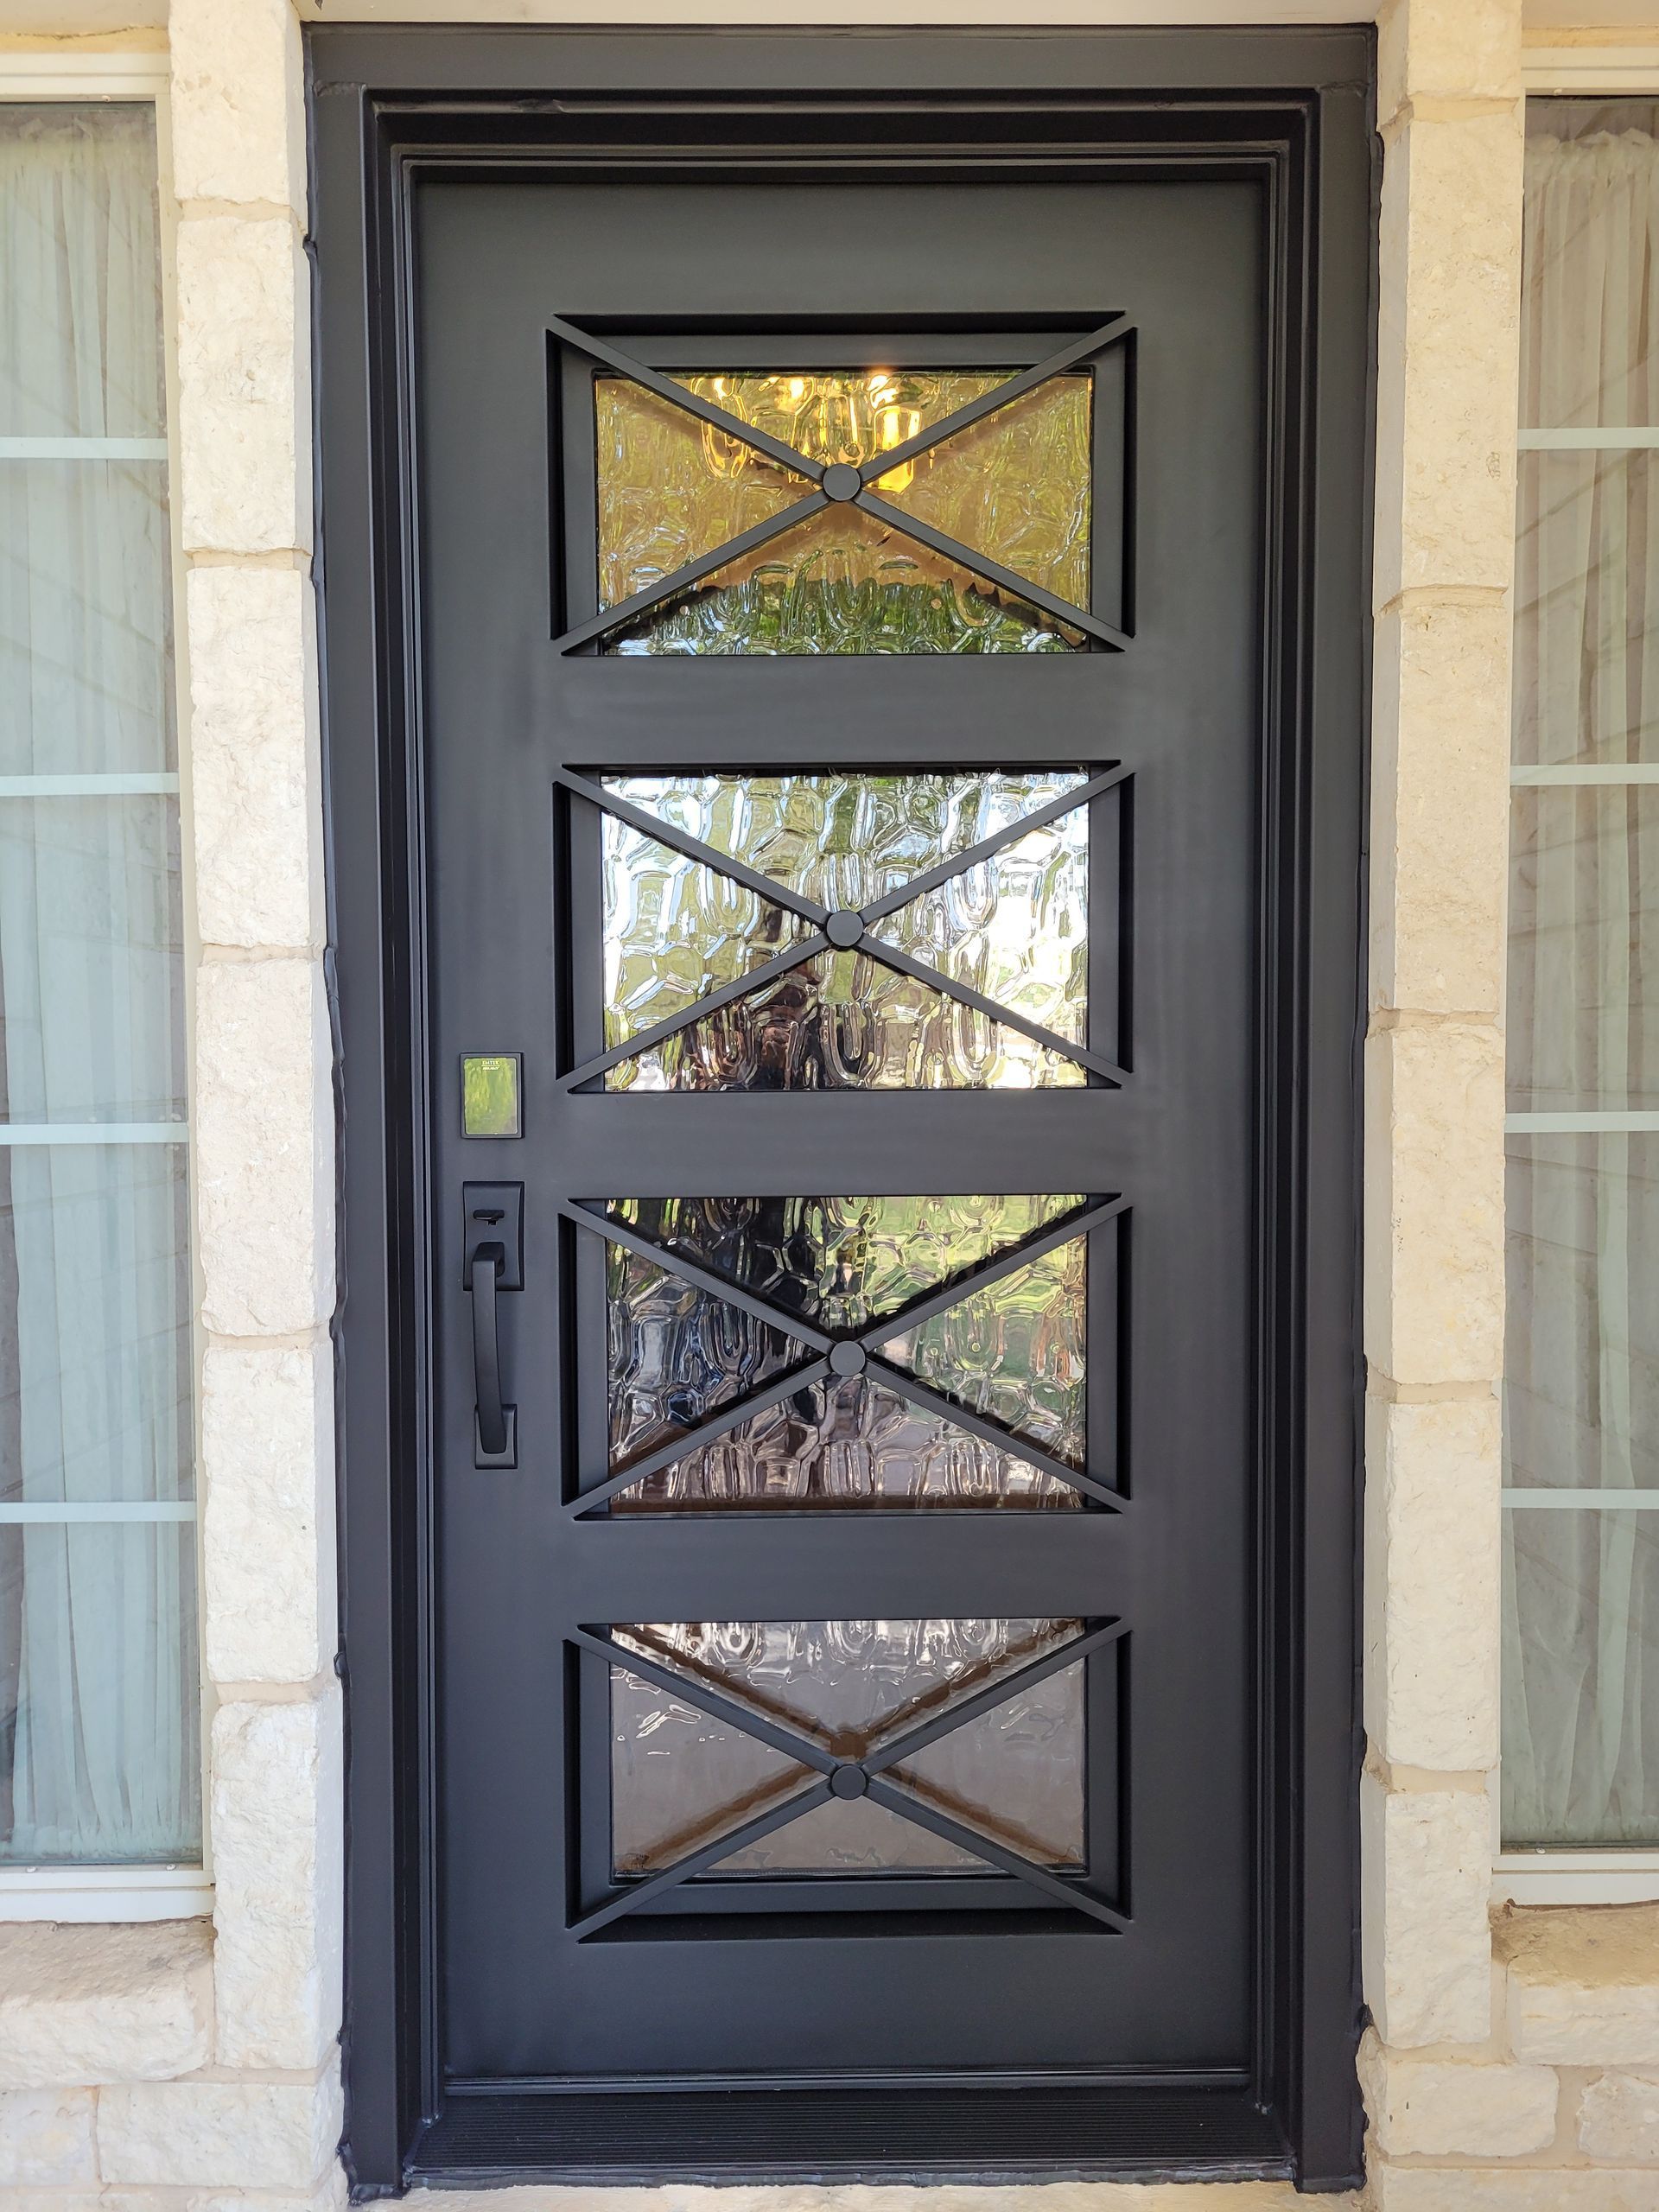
[[579, 357]]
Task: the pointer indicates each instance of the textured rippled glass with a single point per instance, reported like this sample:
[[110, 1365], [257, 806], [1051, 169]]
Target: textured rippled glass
[[681, 1779], [675, 1354], [851, 1443], [850, 838], [675, 930], [842, 581], [842, 1262], [1013, 1353], [843, 1021], [1014, 927], [1015, 485]]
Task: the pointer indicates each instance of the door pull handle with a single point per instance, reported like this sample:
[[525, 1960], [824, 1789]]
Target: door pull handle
[[493, 1263]]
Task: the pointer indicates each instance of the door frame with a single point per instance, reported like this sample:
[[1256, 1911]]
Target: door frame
[[1293, 109]]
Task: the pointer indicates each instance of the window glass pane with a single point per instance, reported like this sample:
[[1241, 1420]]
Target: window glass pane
[[101, 1703], [1581, 1678], [1015, 485], [1012, 926], [1581, 1391], [1584, 947], [91, 966], [1581, 1379], [99, 1757], [680, 1778]]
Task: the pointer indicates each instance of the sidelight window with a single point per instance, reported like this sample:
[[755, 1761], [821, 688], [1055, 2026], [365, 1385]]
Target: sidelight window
[[1582, 1681], [99, 1751]]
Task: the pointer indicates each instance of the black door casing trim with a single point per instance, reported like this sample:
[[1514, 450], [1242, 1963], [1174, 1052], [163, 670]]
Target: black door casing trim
[[1293, 110]]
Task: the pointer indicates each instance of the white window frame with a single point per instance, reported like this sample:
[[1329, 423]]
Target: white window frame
[[114, 1892], [1588, 1876]]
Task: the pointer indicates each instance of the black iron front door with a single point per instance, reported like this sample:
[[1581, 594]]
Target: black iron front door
[[840, 696]]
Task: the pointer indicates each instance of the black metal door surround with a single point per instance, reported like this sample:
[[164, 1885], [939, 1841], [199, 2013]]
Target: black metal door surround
[[846, 1685]]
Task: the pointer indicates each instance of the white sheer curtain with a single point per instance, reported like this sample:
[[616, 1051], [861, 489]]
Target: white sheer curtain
[[98, 1728], [1581, 1676]]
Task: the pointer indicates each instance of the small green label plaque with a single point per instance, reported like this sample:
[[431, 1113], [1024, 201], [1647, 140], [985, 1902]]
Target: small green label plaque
[[490, 1095]]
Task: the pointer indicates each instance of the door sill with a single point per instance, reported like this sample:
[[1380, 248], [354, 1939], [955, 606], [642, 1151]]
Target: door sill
[[964, 2133]]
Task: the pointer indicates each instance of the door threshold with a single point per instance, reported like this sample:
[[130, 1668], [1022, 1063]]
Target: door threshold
[[961, 2133]]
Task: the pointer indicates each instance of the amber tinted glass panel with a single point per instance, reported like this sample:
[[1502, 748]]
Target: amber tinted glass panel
[[671, 487], [675, 930], [842, 1262], [844, 1022], [846, 414], [675, 1354], [679, 1780], [1013, 1351], [842, 581], [1015, 485]]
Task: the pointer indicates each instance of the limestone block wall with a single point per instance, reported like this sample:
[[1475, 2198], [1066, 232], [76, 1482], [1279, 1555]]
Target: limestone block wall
[[181, 2068]]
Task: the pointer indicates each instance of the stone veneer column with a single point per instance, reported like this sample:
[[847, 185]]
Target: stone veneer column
[[1450, 115], [265, 2113]]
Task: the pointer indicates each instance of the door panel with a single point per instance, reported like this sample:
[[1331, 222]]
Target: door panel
[[851, 1674]]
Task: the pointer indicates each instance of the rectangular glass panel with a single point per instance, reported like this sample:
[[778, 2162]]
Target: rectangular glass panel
[[1587, 596], [1584, 947], [1581, 1678], [1581, 1372], [1013, 926], [680, 1779], [99, 1699], [1016, 486], [99, 1758], [1011, 1350], [91, 964], [1581, 1363]]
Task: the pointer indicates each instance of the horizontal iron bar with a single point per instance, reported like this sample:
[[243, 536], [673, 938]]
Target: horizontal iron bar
[[681, 841], [930, 879], [732, 548], [706, 1432], [795, 956]]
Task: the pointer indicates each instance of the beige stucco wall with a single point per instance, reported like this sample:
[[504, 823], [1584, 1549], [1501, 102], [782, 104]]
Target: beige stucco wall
[[175, 2065]]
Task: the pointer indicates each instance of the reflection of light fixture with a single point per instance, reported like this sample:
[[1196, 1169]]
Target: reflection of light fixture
[[797, 387]]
